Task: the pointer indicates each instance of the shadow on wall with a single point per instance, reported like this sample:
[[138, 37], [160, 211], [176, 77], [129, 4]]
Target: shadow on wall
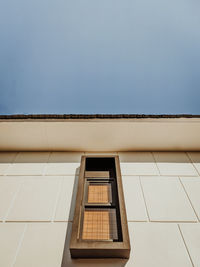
[[67, 261], [75, 157], [73, 197], [40, 157]]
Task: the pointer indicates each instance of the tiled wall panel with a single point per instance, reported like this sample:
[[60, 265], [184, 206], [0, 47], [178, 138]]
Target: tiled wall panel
[[166, 200], [174, 163], [42, 245], [63, 163], [37, 198], [195, 159], [5, 161], [28, 163], [135, 205], [10, 236], [66, 200], [9, 187], [192, 187], [138, 163], [157, 245], [191, 235]]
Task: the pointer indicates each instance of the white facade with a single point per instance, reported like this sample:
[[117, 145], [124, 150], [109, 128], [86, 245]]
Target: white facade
[[37, 198]]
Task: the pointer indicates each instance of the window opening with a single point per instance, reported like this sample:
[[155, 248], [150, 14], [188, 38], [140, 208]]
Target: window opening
[[100, 224]]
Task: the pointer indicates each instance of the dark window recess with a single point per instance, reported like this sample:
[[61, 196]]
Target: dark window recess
[[100, 225]]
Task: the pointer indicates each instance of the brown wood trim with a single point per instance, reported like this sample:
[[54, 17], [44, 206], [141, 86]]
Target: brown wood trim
[[97, 249], [124, 221], [78, 207]]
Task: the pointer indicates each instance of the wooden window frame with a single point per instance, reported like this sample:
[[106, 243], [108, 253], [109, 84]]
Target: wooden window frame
[[99, 249]]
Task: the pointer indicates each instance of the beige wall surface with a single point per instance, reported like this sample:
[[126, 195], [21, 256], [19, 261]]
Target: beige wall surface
[[37, 199], [166, 134]]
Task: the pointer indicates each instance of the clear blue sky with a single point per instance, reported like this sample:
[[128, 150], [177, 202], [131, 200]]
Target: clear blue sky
[[100, 56]]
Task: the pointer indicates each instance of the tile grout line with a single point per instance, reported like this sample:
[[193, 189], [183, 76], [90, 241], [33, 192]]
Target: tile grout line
[[166, 222], [12, 201], [19, 245], [192, 163], [144, 199], [156, 163], [57, 199], [162, 175], [185, 245], [188, 198]]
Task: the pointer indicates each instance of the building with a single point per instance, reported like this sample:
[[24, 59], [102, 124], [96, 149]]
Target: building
[[160, 165]]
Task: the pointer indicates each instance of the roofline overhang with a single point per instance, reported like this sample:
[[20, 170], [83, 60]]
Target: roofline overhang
[[99, 132]]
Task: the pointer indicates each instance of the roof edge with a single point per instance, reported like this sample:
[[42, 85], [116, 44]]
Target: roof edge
[[94, 116]]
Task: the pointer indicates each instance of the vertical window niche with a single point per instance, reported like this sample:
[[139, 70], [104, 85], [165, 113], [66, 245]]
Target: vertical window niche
[[99, 227]]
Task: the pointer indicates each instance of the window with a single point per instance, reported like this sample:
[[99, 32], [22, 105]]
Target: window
[[100, 225]]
